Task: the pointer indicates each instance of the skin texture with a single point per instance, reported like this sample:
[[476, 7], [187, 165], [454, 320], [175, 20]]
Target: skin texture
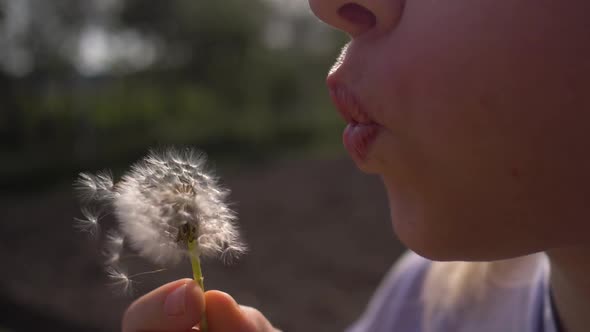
[[153, 313], [485, 114], [484, 107]]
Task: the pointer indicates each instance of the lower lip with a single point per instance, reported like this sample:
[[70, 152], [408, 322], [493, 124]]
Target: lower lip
[[358, 139]]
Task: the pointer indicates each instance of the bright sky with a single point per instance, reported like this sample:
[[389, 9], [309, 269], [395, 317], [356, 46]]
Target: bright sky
[[99, 49], [293, 7]]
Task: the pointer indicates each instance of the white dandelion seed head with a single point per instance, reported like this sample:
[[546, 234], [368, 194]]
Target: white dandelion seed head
[[165, 201], [166, 193]]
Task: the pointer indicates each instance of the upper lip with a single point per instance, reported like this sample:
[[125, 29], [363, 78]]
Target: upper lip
[[346, 101], [348, 104]]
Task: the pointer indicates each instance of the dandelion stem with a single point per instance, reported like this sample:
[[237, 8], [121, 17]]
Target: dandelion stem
[[198, 276]]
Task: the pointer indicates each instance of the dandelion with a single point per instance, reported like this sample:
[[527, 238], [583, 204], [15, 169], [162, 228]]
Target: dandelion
[[168, 208], [168, 201]]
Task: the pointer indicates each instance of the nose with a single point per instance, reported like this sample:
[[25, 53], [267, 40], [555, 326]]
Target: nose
[[357, 17]]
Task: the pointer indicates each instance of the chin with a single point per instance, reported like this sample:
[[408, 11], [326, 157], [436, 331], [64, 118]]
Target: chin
[[368, 166], [372, 163], [439, 229], [440, 239], [453, 245], [428, 247]]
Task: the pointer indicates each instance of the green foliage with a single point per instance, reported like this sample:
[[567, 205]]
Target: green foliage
[[215, 84]]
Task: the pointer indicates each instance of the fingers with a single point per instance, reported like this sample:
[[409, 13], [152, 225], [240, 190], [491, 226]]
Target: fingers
[[224, 314], [261, 323], [176, 306]]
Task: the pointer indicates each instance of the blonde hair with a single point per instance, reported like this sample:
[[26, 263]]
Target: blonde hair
[[450, 286]]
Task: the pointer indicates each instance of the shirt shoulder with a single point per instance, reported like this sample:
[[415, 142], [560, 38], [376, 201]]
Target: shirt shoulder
[[398, 304], [397, 300]]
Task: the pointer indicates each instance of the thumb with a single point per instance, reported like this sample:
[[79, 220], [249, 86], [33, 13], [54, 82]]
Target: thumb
[[224, 314], [176, 306]]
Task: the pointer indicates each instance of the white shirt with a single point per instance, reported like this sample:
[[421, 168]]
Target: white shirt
[[397, 304]]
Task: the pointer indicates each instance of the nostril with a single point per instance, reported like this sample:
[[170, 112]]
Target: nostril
[[358, 15]]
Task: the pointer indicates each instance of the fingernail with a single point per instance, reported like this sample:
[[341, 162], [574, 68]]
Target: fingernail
[[174, 304]]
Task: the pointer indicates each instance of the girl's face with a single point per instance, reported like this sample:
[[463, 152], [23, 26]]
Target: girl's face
[[476, 114]]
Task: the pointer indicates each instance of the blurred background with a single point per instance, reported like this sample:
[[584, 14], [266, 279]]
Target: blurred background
[[92, 85]]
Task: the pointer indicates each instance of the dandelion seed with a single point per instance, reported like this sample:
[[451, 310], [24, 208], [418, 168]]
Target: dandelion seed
[[112, 258], [115, 240], [114, 248], [89, 223], [120, 280], [96, 187], [124, 282]]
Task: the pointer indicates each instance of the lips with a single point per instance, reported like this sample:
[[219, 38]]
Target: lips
[[358, 139], [348, 105], [361, 131]]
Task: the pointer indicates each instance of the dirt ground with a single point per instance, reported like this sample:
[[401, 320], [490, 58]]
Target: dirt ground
[[319, 240]]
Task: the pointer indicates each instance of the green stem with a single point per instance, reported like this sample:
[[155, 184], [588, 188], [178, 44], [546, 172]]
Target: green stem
[[198, 276]]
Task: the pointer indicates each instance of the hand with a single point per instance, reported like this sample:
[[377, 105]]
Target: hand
[[177, 307]]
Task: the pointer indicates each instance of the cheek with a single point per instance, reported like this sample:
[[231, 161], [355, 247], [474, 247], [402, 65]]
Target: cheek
[[472, 176], [489, 168], [495, 144]]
